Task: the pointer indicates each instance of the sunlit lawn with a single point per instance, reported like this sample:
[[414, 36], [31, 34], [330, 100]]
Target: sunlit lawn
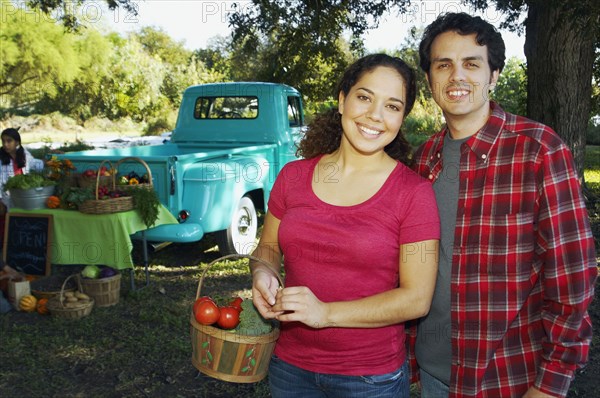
[[592, 166]]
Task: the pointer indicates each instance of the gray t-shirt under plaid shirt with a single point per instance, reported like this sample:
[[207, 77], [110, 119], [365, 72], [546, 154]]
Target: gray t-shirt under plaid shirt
[[433, 348]]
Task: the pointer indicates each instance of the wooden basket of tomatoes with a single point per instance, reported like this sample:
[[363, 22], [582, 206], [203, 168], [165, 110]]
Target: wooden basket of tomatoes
[[231, 342]]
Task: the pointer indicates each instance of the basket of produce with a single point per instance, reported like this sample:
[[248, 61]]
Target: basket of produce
[[107, 200], [89, 178], [50, 286], [70, 305], [134, 179], [231, 341], [101, 284]]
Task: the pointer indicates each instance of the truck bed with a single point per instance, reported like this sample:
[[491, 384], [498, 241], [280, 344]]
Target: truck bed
[[157, 152]]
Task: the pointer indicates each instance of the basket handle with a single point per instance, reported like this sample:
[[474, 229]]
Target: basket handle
[[62, 289], [227, 257], [98, 175], [136, 159]]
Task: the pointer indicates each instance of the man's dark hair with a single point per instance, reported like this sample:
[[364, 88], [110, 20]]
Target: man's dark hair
[[464, 24]]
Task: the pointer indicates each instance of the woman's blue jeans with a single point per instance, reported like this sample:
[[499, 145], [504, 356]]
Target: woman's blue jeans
[[288, 381]]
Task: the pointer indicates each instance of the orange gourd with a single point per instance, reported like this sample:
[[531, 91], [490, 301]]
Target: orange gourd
[[41, 306], [27, 303], [53, 202]]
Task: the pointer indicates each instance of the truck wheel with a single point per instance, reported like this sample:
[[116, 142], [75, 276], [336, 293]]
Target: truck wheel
[[240, 237]]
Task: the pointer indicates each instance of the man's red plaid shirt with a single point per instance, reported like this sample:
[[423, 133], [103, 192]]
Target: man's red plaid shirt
[[523, 265]]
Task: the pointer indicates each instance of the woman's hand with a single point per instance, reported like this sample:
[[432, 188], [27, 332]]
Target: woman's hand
[[300, 304], [264, 290]]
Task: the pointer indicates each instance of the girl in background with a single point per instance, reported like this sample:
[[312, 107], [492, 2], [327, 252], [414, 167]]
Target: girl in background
[[14, 160]]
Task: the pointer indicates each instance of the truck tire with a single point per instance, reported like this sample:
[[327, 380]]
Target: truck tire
[[240, 237]]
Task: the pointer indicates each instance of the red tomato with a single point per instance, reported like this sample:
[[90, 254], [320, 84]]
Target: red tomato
[[237, 303], [207, 313], [199, 301], [230, 317]]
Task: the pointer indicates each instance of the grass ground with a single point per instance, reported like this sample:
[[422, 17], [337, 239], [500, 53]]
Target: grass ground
[[141, 346]]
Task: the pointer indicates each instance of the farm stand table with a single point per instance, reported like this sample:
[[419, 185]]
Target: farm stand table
[[102, 239]]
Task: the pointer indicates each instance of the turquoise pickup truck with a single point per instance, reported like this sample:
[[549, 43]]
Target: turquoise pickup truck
[[229, 143]]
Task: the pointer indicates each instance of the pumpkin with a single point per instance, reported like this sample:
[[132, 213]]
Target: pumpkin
[[27, 303], [41, 306], [53, 202]]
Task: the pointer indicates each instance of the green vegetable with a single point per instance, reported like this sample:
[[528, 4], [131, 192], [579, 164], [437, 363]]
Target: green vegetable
[[27, 181], [74, 197], [146, 203], [251, 322], [91, 271]]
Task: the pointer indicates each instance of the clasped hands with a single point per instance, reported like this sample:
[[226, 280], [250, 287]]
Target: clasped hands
[[288, 304]]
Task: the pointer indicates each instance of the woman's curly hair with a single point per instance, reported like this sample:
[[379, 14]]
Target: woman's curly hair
[[324, 134]]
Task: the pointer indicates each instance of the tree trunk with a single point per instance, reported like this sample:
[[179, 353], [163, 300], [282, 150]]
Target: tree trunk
[[560, 56]]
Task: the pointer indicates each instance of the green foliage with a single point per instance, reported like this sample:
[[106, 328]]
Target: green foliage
[[269, 57], [88, 74], [308, 27], [592, 174], [83, 97], [215, 57], [424, 120], [593, 133], [91, 75], [158, 43], [592, 157], [35, 55], [44, 151], [161, 123], [511, 90], [133, 87]]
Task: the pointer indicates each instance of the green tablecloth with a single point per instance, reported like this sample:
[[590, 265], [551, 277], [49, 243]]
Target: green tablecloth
[[101, 239]]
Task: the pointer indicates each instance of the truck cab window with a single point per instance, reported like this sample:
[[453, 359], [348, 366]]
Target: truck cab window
[[226, 108]]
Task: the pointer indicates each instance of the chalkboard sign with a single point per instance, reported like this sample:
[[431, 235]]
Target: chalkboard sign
[[27, 240]]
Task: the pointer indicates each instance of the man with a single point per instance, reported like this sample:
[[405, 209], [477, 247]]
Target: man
[[517, 260]]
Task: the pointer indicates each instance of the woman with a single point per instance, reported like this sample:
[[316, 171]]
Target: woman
[[358, 232], [14, 160]]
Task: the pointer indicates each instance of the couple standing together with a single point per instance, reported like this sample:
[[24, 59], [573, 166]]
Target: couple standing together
[[468, 266]]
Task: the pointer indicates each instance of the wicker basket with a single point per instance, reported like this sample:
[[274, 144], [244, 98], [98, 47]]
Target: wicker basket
[[54, 281], [56, 304], [230, 356], [105, 291], [106, 206], [147, 185], [86, 182]]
